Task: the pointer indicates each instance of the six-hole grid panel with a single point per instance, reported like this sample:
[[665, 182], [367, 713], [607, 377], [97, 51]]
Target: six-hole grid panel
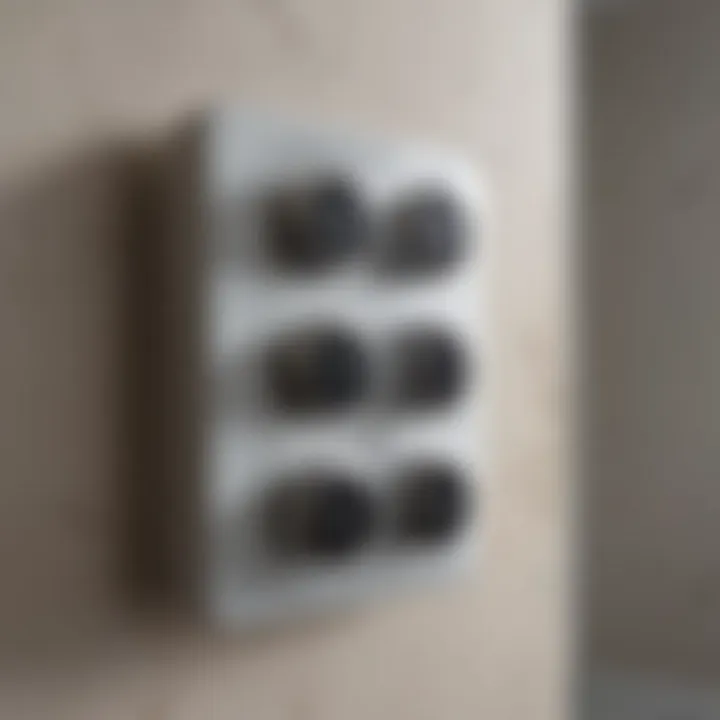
[[333, 312]]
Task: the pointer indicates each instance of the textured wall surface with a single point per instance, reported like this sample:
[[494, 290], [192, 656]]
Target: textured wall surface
[[79, 77], [653, 151]]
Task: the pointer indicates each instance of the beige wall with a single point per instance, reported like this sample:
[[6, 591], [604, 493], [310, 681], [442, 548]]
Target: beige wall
[[654, 260], [79, 76]]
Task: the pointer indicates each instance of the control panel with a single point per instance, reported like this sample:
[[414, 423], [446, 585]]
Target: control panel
[[324, 378]]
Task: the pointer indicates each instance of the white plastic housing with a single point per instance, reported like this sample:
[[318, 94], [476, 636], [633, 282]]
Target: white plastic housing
[[225, 303]]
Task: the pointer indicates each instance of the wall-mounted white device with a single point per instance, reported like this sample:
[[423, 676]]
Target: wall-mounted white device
[[324, 327]]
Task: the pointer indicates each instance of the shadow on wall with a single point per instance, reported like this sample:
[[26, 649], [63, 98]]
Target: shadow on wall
[[77, 551]]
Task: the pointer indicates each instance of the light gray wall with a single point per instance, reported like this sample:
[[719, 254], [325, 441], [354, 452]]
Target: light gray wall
[[79, 76], [653, 263]]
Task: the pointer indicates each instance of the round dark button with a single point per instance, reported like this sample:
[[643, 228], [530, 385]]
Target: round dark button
[[318, 227], [427, 234], [340, 519], [326, 516], [434, 502], [430, 368], [316, 371]]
